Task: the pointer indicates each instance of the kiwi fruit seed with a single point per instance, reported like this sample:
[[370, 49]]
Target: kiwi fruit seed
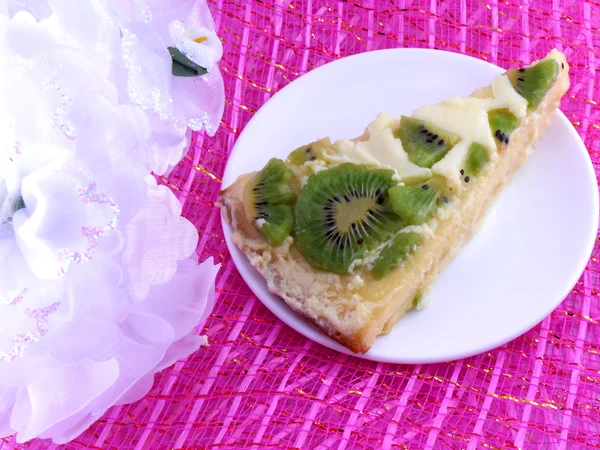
[[271, 187], [424, 143], [416, 203], [477, 157], [533, 82], [278, 223], [502, 123], [402, 246], [341, 214]]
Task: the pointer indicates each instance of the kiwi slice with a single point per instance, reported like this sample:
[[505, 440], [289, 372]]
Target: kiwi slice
[[477, 157], [502, 123], [417, 299], [278, 223], [533, 82], [393, 254], [272, 185], [424, 143], [416, 203], [309, 152], [341, 213], [302, 155], [269, 188]]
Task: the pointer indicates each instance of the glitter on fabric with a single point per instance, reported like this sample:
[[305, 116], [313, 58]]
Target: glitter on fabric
[[13, 298], [261, 385], [142, 10], [128, 43], [61, 122], [21, 65], [197, 123], [88, 194], [40, 316], [59, 116], [154, 101], [21, 341]]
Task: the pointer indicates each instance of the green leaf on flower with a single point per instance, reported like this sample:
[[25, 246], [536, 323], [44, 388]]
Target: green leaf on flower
[[20, 204], [184, 66]]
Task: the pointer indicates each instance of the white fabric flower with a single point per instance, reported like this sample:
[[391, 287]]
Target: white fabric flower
[[199, 44], [99, 283], [72, 347], [7, 204], [140, 64], [172, 103], [39, 8]]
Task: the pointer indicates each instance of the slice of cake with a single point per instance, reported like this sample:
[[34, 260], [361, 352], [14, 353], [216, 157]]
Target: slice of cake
[[351, 233]]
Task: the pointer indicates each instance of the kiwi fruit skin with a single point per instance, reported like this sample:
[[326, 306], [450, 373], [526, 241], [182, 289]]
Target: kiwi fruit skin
[[278, 223], [502, 123], [341, 214], [477, 158], [533, 82], [391, 255], [424, 143], [416, 203], [271, 187]]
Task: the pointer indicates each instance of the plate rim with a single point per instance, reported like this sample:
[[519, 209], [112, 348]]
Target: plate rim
[[321, 338]]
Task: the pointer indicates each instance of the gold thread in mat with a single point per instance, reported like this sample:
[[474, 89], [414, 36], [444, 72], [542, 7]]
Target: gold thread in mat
[[205, 171]]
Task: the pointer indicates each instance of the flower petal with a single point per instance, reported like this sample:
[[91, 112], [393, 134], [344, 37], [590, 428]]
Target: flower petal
[[173, 238], [64, 218]]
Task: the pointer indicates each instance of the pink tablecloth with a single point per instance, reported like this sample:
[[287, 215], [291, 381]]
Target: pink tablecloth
[[261, 384]]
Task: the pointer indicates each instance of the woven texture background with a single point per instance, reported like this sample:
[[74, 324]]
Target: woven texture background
[[261, 384]]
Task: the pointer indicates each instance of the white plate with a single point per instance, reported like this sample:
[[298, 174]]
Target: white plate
[[534, 243]]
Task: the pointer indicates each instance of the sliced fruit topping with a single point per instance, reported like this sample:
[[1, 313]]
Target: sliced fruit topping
[[278, 223], [417, 299], [268, 188], [309, 152], [502, 123], [424, 143], [533, 82], [416, 203], [395, 253], [342, 213], [272, 184], [476, 159], [301, 155]]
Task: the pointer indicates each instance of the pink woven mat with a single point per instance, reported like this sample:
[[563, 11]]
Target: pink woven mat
[[261, 384]]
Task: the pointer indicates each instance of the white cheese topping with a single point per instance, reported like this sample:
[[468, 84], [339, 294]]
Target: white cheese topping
[[380, 149], [505, 96], [315, 166], [468, 118]]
